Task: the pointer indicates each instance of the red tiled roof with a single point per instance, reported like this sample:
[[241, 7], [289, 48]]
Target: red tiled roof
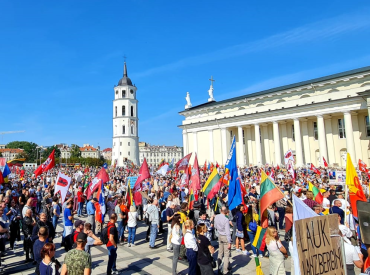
[[16, 151], [107, 150], [87, 149]]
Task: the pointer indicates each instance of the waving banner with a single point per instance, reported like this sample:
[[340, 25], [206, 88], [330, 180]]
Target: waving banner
[[62, 185]]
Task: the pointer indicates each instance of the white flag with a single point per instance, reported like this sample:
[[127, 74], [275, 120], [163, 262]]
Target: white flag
[[62, 185], [163, 170]]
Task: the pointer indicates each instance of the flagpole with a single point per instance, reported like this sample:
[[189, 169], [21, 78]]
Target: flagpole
[[273, 182], [346, 200]]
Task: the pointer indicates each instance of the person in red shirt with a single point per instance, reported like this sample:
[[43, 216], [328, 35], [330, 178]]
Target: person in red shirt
[[80, 201], [112, 245]]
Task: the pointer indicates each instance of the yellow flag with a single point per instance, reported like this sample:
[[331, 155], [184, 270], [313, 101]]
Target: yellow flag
[[351, 176]]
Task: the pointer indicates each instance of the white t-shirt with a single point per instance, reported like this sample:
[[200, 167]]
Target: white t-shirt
[[132, 219], [274, 246], [326, 203], [350, 253]]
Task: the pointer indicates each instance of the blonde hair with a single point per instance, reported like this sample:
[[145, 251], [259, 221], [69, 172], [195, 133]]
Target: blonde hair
[[270, 234], [189, 223]]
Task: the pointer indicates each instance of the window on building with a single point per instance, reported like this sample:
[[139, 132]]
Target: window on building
[[293, 134], [116, 92], [231, 135], [132, 92], [123, 93], [115, 110], [120, 153], [260, 135], [128, 152], [367, 123], [132, 110], [120, 143], [341, 128], [243, 140], [123, 110], [132, 129], [315, 132], [123, 129]]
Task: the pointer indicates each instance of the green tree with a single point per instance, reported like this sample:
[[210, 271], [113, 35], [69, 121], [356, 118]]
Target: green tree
[[22, 155], [75, 151], [1, 154], [28, 147], [47, 152]]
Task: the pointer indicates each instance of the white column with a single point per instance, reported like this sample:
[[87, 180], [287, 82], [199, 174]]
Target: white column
[[249, 145], [240, 154], [349, 136], [356, 137], [306, 141], [266, 144], [258, 144], [185, 141], [298, 143], [322, 139], [224, 145], [275, 125], [195, 142], [211, 156], [329, 141]]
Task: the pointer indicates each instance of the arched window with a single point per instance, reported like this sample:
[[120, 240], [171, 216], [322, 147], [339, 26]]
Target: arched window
[[115, 109], [123, 129], [132, 110], [132, 129], [123, 110], [123, 93]]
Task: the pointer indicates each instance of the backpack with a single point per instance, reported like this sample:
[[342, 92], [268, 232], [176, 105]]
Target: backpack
[[164, 215], [104, 236]]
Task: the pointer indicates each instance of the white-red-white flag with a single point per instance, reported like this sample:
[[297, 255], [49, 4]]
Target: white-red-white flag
[[62, 185]]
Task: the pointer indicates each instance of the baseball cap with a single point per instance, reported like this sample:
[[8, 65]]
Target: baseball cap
[[78, 223], [81, 237], [95, 199]]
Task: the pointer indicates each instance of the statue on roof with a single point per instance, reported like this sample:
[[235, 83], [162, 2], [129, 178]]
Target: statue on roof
[[210, 91], [188, 103]]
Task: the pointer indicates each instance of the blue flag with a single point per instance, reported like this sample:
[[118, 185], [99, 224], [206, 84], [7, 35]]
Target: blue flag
[[105, 165], [235, 192], [6, 171]]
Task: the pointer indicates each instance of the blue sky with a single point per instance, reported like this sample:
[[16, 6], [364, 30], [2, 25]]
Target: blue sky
[[61, 59]]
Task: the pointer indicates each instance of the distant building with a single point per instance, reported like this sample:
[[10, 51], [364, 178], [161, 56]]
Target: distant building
[[107, 153], [10, 154], [2, 146], [154, 154], [88, 151], [65, 150]]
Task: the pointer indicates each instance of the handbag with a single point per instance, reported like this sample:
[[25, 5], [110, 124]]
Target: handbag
[[213, 261], [239, 234]]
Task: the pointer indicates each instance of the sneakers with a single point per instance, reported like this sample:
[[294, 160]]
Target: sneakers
[[115, 272], [132, 245], [129, 245], [238, 250], [260, 256], [253, 256], [170, 250], [245, 252]]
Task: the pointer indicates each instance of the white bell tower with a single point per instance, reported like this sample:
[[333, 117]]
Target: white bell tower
[[125, 122]]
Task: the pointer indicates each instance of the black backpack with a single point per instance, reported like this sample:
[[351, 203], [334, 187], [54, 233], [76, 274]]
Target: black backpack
[[104, 235]]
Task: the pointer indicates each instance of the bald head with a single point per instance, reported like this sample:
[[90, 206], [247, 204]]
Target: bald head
[[29, 202], [155, 202], [29, 213], [224, 210]]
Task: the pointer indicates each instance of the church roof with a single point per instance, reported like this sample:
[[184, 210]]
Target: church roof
[[125, 80], [281, 88]]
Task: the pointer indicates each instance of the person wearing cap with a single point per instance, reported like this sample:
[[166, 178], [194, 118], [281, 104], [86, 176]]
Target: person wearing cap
[[79, 227], [90, 207], [77, 261]]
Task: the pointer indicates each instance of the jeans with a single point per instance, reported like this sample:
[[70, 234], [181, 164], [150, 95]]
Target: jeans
[[112, 257], [281, 211], [131, 235], [175, 258], [153, 234], [80, 207], [192, 258], [234, 233], [121, 230], [169, 244], [252, 236], [38, 207], [55, 221]]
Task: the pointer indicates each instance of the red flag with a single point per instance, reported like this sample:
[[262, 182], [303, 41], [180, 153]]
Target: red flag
[[183, 163], [205, 167], [22, 173], [277, 167], [194, 178], [143, 174], [1, 177], [315, 170], [102, 176], [216, 165], [325, 163], [47, 165], [362, 166]]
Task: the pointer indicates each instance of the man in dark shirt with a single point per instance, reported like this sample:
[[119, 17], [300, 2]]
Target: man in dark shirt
[[337, 210], [38, 245], [43, 222], [112, 245], [27, 224]]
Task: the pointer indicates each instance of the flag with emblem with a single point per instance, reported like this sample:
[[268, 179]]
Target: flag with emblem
[[47, 165]]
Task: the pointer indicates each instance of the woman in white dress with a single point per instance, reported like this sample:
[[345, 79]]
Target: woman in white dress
[[277, 252]]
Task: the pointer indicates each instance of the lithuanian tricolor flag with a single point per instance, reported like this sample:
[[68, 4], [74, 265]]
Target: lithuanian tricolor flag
[[260, 238], [211, 182], [269, 194], [191, 199], [316, 193]]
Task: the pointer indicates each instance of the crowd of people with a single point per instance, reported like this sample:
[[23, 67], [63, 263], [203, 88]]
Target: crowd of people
[[31, 211]]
